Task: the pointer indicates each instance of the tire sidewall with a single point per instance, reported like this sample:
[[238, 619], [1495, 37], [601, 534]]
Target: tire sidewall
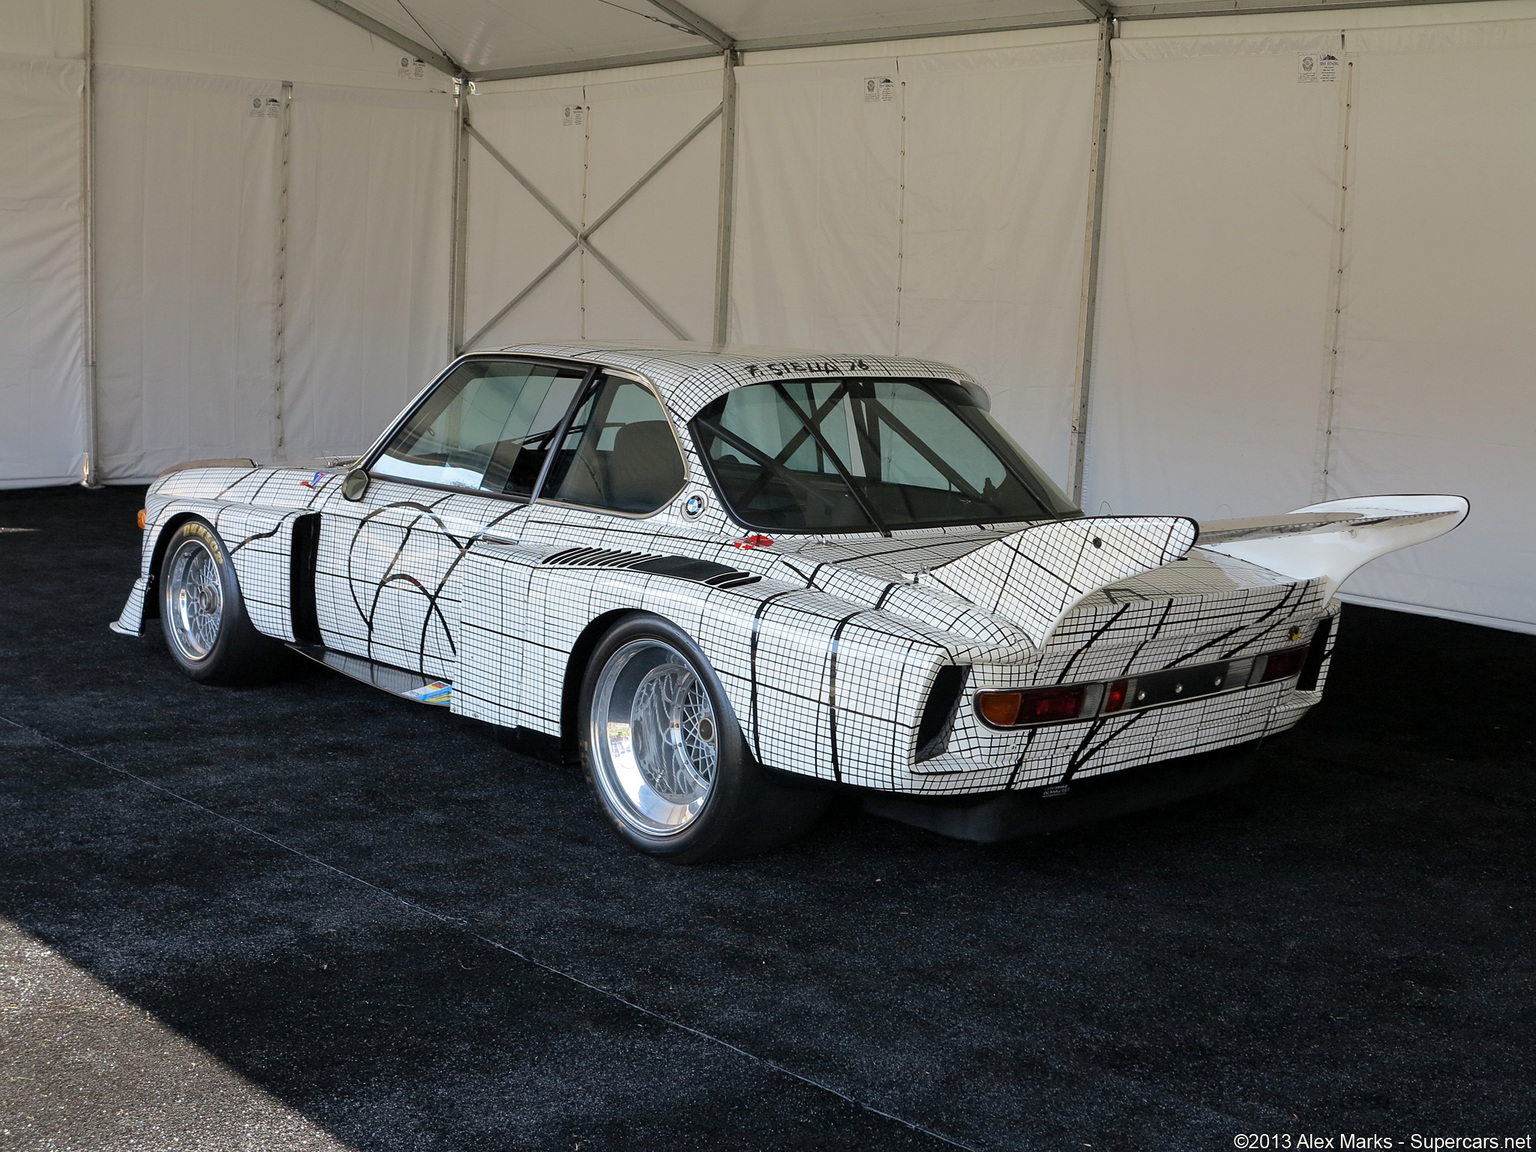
[[212, 665], [734, 761]]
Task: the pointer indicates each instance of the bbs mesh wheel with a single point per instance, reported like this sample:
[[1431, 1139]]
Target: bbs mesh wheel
[[203, 614], [666, 757]]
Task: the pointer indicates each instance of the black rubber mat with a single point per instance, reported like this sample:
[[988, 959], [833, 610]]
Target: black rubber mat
[[421, 940]]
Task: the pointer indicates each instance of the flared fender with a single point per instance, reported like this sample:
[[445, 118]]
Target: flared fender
[[1331, 540], [1036, 576]]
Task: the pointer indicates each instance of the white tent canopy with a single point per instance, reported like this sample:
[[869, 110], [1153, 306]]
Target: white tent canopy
[[1212, 264], [504, 39]]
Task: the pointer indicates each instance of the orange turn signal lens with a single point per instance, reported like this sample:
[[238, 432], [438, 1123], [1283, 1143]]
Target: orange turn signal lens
[[1000, 708], [143, 516]]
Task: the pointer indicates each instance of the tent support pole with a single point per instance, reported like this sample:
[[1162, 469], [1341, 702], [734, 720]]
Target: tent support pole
[[1088, 305], [460, 250], [727, 212], [280, 285], [90, 475]]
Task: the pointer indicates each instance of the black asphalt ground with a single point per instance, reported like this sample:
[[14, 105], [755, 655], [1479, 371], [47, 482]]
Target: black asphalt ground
[[394, 931]]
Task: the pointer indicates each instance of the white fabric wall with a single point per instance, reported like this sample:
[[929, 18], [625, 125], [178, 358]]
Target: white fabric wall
[[187, 224], [663, 239], [42, 382], [946, 222], [369, 232], [1225, 226], [186, 217], [1219, 211], [188, 186], [1436, 386]]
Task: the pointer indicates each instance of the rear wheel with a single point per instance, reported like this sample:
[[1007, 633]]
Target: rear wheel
[[666, 757], [203, 614]]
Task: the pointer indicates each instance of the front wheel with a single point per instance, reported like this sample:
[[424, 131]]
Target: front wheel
[[666, 757], [203, 614]]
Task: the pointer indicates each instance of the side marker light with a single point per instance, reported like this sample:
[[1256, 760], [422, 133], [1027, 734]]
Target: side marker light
[[143, 517]]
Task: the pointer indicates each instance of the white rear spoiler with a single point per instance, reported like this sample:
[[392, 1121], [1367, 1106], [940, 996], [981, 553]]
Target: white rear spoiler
[[1331, 540]]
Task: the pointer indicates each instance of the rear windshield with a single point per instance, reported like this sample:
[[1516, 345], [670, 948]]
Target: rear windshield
[[868, 455]]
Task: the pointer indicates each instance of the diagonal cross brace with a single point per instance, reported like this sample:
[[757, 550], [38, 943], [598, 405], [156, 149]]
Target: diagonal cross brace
[[695, 23], [581, 236]]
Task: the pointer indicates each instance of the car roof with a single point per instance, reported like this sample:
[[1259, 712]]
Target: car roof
[[690, 376]]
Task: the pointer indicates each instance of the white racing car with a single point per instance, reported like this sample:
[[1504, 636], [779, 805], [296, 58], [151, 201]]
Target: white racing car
[[737, 581]]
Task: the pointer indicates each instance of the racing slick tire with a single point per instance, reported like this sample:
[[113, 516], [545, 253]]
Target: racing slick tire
[[666, 757], [203, 615]]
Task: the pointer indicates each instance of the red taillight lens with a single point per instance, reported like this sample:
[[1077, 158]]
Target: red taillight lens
[[1283, 665], [1035, 706], [1114, 697]]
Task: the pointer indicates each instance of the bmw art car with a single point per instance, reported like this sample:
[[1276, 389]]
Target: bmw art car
[[738, 581]]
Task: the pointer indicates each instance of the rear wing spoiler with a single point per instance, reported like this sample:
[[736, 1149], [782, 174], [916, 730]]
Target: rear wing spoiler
[[1333, 539], [1035, 576]]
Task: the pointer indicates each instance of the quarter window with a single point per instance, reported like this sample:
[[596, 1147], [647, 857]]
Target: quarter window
[[619, 454]]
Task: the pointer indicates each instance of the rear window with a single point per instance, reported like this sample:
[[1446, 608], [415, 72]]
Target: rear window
[[861, 455]]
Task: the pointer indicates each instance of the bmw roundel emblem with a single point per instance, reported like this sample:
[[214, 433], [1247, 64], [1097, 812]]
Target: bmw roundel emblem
[[693, 507]]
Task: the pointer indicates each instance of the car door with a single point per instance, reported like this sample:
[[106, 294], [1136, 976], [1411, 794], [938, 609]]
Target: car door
[[465, 459], [618, 464]]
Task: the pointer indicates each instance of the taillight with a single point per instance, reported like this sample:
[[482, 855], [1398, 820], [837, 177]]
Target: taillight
[[1114, 698], [1061, 703], [1283, 665], [1032, 706]]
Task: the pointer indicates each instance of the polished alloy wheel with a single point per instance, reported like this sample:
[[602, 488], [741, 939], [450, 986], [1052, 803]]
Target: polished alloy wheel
[[194, 598], [655, 740]]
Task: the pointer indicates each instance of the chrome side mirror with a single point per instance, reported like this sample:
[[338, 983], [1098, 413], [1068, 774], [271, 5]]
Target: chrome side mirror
[[355, 484]]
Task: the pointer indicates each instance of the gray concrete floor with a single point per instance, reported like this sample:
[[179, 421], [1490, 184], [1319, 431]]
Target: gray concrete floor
[[82, 1068]]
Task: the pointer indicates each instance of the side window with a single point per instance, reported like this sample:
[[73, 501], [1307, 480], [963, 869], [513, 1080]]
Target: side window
[[487, 426], [620, 453]]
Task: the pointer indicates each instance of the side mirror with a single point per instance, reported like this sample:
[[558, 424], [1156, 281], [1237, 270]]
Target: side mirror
[[355, 485]]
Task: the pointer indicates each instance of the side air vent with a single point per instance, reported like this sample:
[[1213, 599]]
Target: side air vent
[[939, 712], [594, 558], [681, 567], [302, 557]]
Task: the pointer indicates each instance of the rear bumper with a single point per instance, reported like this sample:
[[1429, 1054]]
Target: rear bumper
[[1006, 816]]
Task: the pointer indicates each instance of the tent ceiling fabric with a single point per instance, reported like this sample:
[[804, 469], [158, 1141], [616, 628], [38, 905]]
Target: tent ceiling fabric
[[499, 39], [489, 35]]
